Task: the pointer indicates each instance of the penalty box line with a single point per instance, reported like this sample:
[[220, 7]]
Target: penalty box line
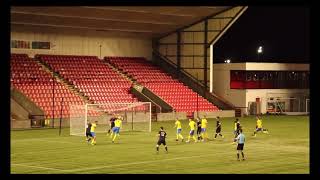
[[135, 163]]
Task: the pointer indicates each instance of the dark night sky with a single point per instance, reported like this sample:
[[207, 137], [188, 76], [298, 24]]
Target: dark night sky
[[282, 31]]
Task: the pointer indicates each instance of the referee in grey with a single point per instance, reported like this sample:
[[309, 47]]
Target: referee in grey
[[240, 139]]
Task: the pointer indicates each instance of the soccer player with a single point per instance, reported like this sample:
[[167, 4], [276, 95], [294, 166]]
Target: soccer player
[[259, 127], [88, 133], [177, 125], [218, 129], [204, 123], [199, 129], [162, 139], [117, 126], [92, 130], [240, 139], [237, 127], [111, 125], [192, 125]]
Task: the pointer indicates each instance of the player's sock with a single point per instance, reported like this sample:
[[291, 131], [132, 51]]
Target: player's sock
[[242, 155], [181, 136], [177, 137], [188, 138], [114, 137], [221, 135], [238, 156], [157, 148], [166, 148], [194, 138], [215, 136]]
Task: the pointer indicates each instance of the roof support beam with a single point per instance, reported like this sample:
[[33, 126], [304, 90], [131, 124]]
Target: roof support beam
[[201, 20], [213, 41], [178, 52], [205, 53]]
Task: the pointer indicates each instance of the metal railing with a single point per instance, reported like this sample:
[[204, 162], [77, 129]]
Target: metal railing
[[191, 81]]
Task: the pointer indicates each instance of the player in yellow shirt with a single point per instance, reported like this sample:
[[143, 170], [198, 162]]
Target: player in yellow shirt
[[259, 127], [116, 128], [204, 133], [177, 125], [192, 125], [237, 127], [93, 133]]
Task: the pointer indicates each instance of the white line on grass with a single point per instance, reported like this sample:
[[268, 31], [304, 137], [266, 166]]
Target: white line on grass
[[117, 165], [46, 140], [134, 163], [109, 166], [39, 167]]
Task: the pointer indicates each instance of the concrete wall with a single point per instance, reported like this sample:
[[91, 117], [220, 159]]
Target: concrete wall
[[221, 83], [20, 124], [224, 113], [18, 111], [82, 42]]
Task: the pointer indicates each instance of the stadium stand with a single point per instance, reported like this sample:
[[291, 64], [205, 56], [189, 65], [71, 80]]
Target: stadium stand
[[35, 83], [93, 77], [179, 96]]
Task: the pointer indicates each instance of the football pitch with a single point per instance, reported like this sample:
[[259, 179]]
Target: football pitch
[[284, 150]]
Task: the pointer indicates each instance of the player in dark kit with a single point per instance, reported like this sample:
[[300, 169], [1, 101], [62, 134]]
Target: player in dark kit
[[162, 139], [237, 127], [88, 133], [218, 129], [199, 129], [111, 124]]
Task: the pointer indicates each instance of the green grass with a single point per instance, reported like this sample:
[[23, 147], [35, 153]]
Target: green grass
[[284, 150]]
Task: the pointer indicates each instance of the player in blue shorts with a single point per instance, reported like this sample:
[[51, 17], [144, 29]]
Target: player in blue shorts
[[116, 128]]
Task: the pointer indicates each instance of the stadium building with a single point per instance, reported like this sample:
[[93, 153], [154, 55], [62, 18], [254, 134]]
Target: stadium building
[[100, 55], [257, 88], [123, 89], [64, 56]]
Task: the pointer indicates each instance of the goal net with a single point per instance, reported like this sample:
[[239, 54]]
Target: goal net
[[135, 116]]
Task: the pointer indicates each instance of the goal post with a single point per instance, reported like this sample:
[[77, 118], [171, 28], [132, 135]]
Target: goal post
[[135, 116]]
